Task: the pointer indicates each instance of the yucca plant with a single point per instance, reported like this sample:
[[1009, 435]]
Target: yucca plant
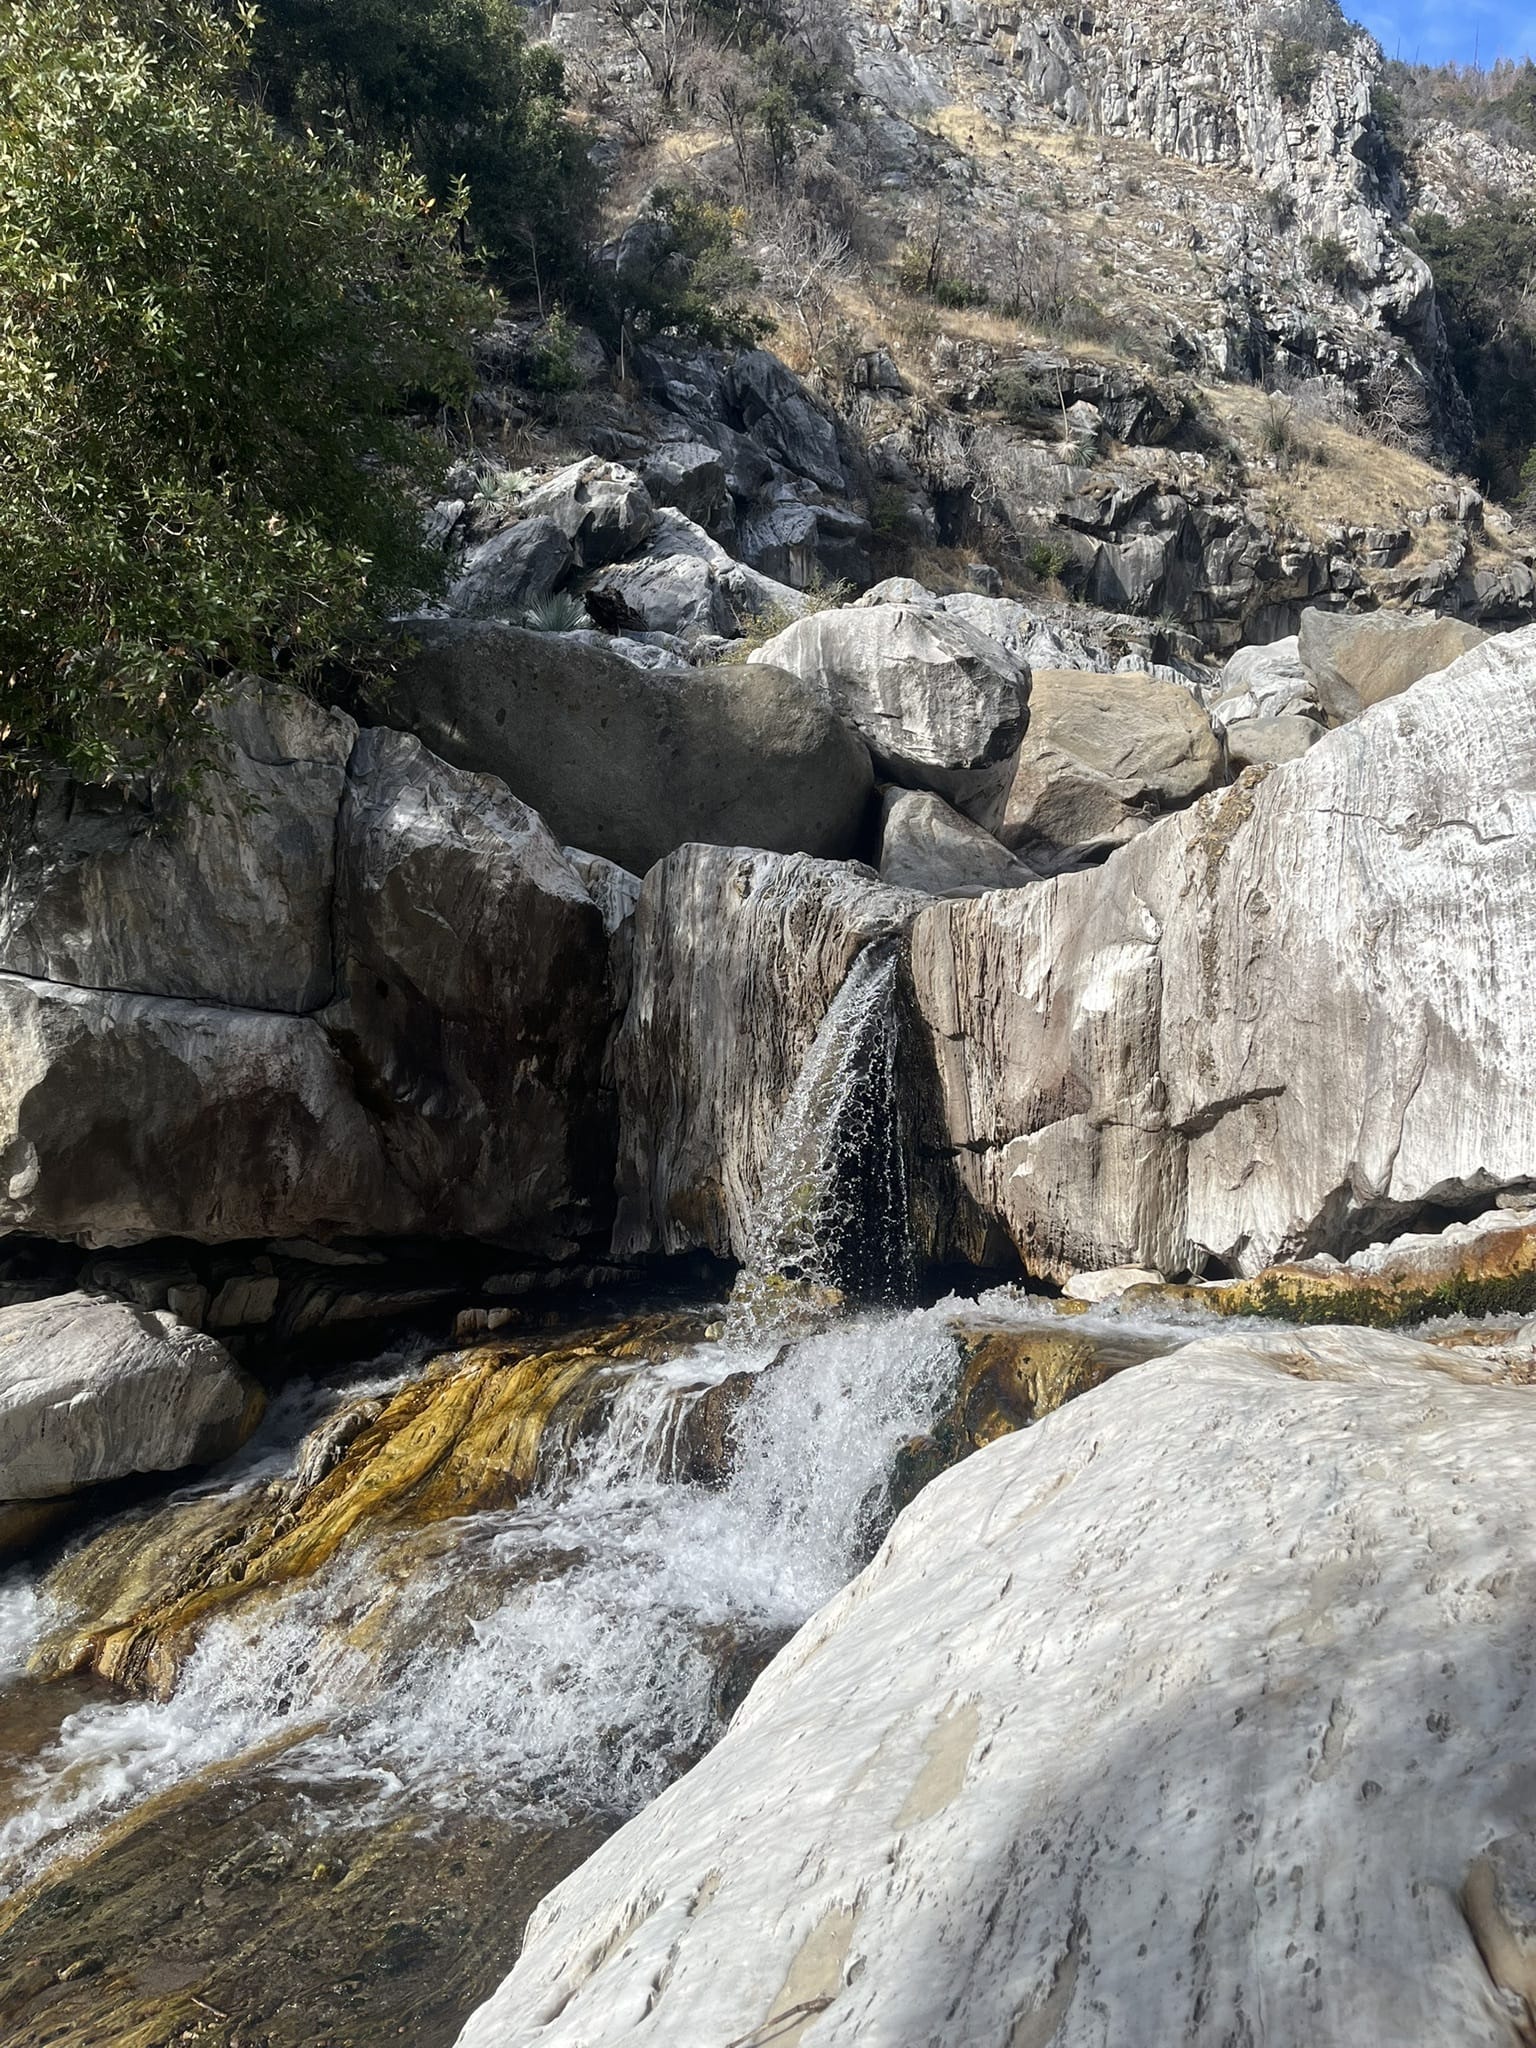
[[559, 612]]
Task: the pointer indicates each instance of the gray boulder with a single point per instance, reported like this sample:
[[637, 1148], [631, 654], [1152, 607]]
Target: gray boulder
[[1356, 660], [444, 1082], [1264, 682], [1103, 756], [686, 584], [688, 475], [925, 845], [523, 562], [775, 407], [632, 764], [225, 899], [1252, 742], [92, 1388], [471, 965], [942, 707], [602, 509], [1288, 1020]]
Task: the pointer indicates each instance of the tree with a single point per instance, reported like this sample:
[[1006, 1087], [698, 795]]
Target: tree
[[208, 336], [457, 84], [1485, 278]]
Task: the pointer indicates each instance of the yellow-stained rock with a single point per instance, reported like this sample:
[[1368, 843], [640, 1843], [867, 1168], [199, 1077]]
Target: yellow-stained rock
[[467, 1435], [1484, 1267], [1013, 1374]]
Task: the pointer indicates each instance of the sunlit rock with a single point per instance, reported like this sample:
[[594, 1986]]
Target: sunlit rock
[[1203, 1701]]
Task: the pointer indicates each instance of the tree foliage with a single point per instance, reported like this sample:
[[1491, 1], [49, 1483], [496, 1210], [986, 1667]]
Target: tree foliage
[[1485, 275], [207, 336], [457, 84]]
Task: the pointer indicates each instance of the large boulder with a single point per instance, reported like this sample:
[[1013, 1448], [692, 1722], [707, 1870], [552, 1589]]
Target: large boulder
[[470, 1006], [925, 845], [1357, 660], [225, 898], [1264, 681], [689, 475], [499, 577], [738, 956], [1104, 755], [1196, 1713], [419, 1053], [1254, 742], [632, 763], [603, 510], [942, 707], [686, 583], [776, 409], [1282, 1022], [93, 1389]]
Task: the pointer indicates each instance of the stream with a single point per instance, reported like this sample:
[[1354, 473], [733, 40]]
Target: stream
[[333, 1828]]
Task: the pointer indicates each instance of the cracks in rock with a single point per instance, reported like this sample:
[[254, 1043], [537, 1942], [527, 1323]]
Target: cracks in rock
[[150, 995], [1412, 832], [1206, 1119]]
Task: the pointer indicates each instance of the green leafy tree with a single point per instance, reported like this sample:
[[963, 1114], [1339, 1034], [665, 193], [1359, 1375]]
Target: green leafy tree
[[458, 85], [681, 270], [1485, 276], [208, 337]]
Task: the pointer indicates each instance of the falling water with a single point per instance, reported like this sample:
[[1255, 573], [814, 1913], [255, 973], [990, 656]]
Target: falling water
[[833, 1210], [562, 1655]]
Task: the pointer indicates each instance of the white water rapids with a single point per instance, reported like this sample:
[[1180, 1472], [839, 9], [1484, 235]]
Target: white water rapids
[[552, 1655]]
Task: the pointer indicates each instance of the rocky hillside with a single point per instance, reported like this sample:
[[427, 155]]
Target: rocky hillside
[[1125, 309]]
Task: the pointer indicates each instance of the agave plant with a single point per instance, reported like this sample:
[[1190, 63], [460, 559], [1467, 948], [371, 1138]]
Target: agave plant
[[560, 612]]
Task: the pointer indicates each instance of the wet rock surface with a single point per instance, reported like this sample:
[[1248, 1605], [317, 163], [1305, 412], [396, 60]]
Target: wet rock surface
[[738, 957], [93, 1389]]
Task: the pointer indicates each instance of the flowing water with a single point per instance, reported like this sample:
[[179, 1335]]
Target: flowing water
[[832, 1212], [332, 1829]]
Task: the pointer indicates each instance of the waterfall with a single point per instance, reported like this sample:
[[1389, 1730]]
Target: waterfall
[[561, 1656], [833, 1209]]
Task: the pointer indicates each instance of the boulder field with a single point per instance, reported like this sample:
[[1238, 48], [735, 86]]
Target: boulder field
[[359, 994]]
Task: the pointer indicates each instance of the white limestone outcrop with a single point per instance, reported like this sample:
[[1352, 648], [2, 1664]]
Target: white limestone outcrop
[[1284, 1021]]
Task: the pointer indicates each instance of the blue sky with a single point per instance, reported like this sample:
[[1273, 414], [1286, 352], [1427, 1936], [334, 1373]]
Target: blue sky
[[1437, 31]]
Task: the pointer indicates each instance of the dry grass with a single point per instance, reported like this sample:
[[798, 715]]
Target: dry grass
[[1360, 481]]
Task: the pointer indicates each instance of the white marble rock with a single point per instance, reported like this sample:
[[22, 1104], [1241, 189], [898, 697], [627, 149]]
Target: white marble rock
[[1198, 1714]]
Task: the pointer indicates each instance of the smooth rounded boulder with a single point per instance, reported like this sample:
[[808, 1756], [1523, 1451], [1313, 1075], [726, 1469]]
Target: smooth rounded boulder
[[1104, 755], [942, 706], [926, 845], [634, 763], [93, 1388], [1359, 659]]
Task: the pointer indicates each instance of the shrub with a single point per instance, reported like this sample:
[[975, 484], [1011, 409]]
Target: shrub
[[1277, 430], [1295, 67], [1331, 263], [1279, 208], [683, 270], [1021, 397], [560, 612], [457, 83], [552, 366], [207, 336], [1047, 560]]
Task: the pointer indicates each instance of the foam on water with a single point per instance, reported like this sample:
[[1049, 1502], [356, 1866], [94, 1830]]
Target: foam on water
[[553, 1655]]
